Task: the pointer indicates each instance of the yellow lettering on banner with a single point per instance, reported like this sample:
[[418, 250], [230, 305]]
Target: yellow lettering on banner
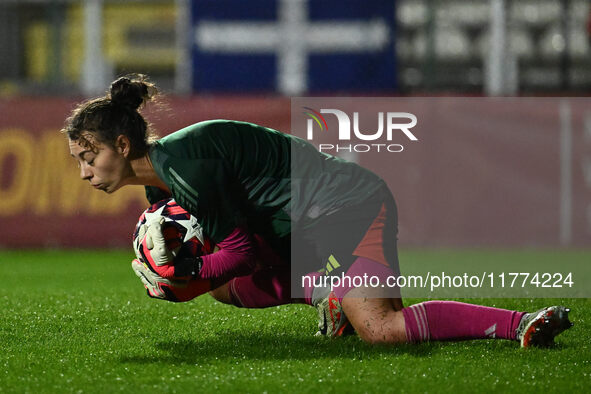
[[46, 180], [98, 202], [17, 143], [74, 195], [41, 204], [127, 196], [56, 189], [116, 203]]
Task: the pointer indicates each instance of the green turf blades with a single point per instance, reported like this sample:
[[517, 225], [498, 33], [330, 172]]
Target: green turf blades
[[80, 321]]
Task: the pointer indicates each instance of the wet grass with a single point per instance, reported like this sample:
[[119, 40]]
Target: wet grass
[[79, 321]]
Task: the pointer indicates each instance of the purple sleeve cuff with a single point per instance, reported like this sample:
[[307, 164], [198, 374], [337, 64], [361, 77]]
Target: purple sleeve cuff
[[236, 257]]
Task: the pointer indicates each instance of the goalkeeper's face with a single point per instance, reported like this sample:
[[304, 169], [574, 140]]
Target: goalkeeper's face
[[106, 167]]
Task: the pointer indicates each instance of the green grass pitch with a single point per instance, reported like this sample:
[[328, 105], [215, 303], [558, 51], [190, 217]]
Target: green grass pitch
[[79, 321]]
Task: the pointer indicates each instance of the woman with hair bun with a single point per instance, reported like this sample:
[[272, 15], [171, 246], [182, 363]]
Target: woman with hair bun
[[240, 179]]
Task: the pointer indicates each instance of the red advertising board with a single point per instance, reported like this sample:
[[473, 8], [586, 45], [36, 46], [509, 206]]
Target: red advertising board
[[468, 171], [507, 172], [44, 202]]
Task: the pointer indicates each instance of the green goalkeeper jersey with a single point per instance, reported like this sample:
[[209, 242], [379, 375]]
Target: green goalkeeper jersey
[[229, 173]]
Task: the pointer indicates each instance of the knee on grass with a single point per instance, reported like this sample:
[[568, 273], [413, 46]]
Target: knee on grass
[[380, 336], [375, 320]]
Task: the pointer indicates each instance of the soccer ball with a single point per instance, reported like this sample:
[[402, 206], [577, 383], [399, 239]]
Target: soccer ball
[[182, 233]]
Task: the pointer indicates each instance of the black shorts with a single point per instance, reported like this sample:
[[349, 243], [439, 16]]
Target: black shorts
[[336, 240]]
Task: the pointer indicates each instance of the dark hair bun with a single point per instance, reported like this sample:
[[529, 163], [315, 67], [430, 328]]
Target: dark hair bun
[[131, 93]]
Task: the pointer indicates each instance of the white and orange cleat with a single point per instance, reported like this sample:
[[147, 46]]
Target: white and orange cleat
[[332, 321], [539, 328]]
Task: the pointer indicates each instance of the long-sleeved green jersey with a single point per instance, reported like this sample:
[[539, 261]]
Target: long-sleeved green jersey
[[229, 173]]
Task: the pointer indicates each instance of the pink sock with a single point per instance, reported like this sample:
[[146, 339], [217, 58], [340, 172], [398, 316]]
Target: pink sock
[[441, 320]]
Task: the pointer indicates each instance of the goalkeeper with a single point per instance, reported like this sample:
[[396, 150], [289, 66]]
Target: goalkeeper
[[239, 179], [260, 284]]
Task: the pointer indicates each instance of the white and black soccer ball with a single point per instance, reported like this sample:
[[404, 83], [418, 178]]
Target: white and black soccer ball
[[182, 233]]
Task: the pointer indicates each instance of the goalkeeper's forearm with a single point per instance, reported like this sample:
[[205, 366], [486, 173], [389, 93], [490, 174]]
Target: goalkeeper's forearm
[[236, 257]]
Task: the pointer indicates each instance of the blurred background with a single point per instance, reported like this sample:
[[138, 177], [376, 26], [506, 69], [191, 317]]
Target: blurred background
[[436, 46], [244, 60]]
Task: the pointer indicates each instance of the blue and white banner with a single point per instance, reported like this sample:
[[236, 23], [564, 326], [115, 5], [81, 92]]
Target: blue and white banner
[[293, 46]]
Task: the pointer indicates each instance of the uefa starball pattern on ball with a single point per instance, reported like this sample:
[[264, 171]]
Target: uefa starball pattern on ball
[[182, 232]]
